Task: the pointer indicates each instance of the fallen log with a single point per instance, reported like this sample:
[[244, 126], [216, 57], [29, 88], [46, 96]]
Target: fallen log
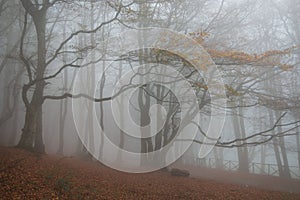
[[179, 172]]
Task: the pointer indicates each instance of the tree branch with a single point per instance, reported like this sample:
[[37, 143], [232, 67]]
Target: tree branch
[[83, 32], [230, 144]]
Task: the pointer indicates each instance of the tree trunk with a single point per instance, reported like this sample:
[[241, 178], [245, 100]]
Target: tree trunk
[[286, 169], [32, 138], [143, 99], [241, 151], [91, 81], [160, 91], [39, 146], [28, 131], [144, 105], [276, 148], [63, 110], [62, 119], [298, 146], [245, 154]]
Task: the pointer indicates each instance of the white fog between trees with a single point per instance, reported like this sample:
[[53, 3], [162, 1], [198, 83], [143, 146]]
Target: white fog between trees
[[255, 45]]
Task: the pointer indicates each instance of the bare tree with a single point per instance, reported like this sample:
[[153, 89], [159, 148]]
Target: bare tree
[[32, 132]]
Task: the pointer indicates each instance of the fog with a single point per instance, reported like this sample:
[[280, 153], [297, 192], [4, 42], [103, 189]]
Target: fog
[[199, 85]]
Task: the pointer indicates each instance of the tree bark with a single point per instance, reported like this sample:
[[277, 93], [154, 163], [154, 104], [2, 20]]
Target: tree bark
[[241, 151], [32, 138], [276, 148], [298, 146], [286, 169]]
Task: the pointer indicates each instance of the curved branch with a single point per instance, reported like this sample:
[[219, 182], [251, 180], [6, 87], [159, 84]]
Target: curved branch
[[230, 144], [83, 32]]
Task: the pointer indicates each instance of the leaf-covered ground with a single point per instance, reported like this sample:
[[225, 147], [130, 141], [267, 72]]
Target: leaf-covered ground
[[24, 175]]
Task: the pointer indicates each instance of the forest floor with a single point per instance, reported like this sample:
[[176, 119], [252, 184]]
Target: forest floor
[[24, 175]]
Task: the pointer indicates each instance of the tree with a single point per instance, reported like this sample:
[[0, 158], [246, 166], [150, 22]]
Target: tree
[[32, 138]]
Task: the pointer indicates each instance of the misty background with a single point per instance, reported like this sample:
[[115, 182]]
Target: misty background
[[255, 45]]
